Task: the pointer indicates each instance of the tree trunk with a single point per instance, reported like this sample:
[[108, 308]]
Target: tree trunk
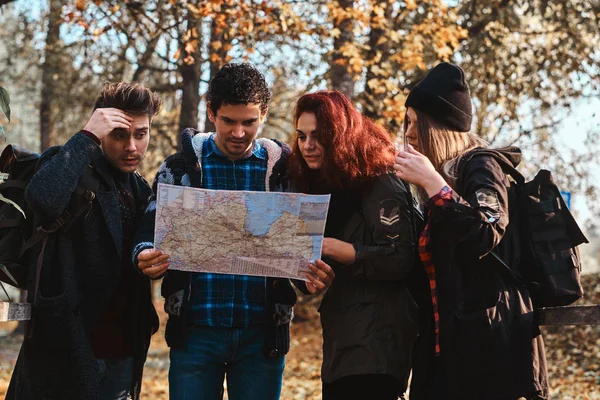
[[50, 70], [340, 75], [378, 49], [217, 58], [190, 69]]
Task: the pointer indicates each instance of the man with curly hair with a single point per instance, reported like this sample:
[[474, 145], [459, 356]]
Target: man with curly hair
[[222, 325]]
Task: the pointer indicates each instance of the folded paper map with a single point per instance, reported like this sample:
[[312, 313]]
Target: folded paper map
[[240, 232]]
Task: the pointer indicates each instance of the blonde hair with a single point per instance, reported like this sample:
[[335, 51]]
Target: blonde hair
[[443, 146]]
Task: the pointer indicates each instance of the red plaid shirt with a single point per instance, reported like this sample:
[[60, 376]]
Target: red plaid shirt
[[440, 199]]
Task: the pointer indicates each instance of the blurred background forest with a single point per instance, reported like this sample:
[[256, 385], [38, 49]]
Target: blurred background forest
[[533, 67]]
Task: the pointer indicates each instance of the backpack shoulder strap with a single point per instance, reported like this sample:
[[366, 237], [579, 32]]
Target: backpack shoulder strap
[[505, 164], [177, 166], [88, 185]]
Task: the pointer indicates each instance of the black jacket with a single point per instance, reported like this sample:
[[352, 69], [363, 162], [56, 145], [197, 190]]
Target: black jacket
[[369, 319], [81, 270], [490, 345], [184, 168]]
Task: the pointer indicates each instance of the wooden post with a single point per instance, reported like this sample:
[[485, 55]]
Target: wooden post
[[15, 311], [571, 315]]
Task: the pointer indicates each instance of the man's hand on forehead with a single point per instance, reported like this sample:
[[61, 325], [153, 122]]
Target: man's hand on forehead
[[104, 120]]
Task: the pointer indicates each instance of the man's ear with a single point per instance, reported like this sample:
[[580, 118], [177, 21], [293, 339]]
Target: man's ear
[[263, 115], [209, 112]]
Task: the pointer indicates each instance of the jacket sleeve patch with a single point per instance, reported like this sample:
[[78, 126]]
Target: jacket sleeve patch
[[389, 212], [488, 199]]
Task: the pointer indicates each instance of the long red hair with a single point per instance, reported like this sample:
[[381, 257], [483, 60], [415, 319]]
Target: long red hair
[[354, 147]]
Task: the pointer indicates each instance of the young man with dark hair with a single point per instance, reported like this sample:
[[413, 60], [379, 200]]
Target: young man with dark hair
[[221, 325], [93, 315]]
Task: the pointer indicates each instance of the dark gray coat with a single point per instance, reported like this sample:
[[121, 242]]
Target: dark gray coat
[[368, 316], [81, 270]]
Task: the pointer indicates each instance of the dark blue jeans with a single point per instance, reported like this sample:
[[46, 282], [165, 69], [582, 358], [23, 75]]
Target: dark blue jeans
[[212, 354], [116, 378]]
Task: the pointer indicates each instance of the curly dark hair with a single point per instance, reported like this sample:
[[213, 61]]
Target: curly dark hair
[[355, 149], [238, 83], [132, 97]]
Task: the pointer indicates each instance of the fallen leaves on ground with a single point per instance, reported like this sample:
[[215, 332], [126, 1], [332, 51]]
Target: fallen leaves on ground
[[573, 354]]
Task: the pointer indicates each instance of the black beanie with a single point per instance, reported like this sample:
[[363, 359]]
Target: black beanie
[[444, 95]]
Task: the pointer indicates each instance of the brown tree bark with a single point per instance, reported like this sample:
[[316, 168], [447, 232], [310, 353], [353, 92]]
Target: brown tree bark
[[50, 70], [378, 46], [190, 69], [340, 77], [218, 35]]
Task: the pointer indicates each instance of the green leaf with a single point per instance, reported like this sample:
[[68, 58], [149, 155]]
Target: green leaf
[[15, 205], [5, 102]]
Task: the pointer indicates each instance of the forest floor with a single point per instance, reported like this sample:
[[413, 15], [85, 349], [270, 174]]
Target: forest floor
[[573, 354]]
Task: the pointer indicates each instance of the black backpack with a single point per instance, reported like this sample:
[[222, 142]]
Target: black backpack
[[550, 264], [18, 235], [17, 166]]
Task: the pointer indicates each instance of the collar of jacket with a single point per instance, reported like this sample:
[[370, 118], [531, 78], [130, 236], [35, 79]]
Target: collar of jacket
[[192, 142]]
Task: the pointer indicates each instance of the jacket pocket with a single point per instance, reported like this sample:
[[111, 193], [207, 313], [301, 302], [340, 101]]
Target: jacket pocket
[[352, 323], [51, 319], [480, 350]]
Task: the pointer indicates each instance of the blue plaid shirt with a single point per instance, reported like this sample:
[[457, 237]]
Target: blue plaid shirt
[[223, 299]]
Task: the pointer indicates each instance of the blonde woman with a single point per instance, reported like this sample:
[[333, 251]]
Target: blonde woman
[[479, 340]]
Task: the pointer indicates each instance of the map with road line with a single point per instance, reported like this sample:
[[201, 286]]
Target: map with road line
[[240, 232]]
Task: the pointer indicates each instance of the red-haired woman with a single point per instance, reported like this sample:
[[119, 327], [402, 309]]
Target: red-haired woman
[[368, 316]]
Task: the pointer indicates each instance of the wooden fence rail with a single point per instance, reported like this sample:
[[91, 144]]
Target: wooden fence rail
[[551, 316], [571, 315], [14, 311]]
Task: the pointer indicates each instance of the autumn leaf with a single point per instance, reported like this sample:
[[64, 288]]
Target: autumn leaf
[[410, 4], [444, 53], [189, 60], [189, 48], [80, 5], [193, 9], [284, 25]]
